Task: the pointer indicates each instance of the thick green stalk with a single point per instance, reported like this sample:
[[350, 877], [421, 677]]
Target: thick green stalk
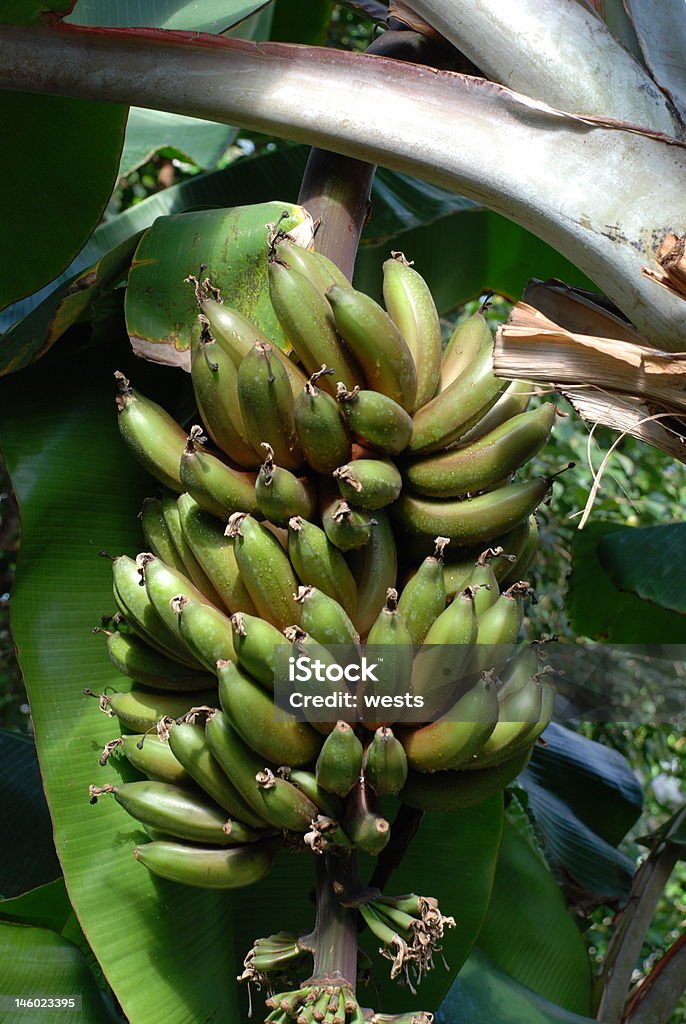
[[335, 932]]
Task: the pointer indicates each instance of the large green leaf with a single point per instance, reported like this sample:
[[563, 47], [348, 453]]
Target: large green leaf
[[47, 906], [643, 560], [528, 931], [29, 856], [35, 962], [599, 609], [484, 993], [23, 12], [233, 246], [197, 15], [175, 137], [51, 194]]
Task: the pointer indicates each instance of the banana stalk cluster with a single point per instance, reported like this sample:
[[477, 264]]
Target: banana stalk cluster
[[357, 488]]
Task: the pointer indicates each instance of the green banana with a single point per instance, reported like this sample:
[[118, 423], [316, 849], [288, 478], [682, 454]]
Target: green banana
[[280, 494], [500, 624], [285, 806], [215, 385], [255, 641], [394, 668], [267, 404], [525, 554], [375, 420], [375, 341], [162, 583], [455, 790], [413, 311], [205, 630], [339, 764], [251, 712], [347, 528], [369, 483], [153, 436], [451, 414], [424, 596], [191, 567], [189, 746], [525, 664], [484, 581], [176, 812], [140, 710], [385, 763], [317, 268], [513, 401], [475, 519], [363, 822], [217, 487], [375, 568], [319, 564], [215, 553], [238, 761], [321, 427], [237, 336], [457, 735], [516, 727], [207, 867], [481, 464], [140, 615], [324, 619], [158, 538], [137, 660], [464, 346], [155, 759], [265, 570], [305, 317], [444, 664], [327, 803]]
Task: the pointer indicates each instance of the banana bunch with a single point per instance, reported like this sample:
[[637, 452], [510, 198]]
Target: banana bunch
[[357, 488]]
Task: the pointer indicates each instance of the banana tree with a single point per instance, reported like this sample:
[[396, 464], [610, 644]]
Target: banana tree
[[611, 144]]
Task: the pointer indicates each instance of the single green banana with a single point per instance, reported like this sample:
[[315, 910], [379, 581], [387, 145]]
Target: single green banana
[[413, 311], [158, 538], [484, 581], [153, 436], [280, 494], [191, 567], [480, 465], [375, 420], [265, 569], [217, 487], [324, 619], [140, 710], [457, 735], [215, 553], [140, 615], [363, 821], [376, 343], [205, 630], [456, 790], [444, 665], [320, 426], [238, 761], [347, 528], [394, 668], [513, 401], [251, 712], [215, 384], [475, 519], [424, 596], [375, 567], [207, 867], [305, 317], [525, 555], [339, 764], [285, 806], [369, 483], [519, 670], [516, 726], [176, 812], [255, 641], [463, 348], [385, 763], [189, 746], [137, 660], [162, 583], [327, 803], [454, 411], [499, 628], [237, 336], [268, 403], [317, 268], [319, 564], [154, 758]]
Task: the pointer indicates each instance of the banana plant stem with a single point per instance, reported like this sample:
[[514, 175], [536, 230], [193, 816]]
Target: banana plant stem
[[335, 932]]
